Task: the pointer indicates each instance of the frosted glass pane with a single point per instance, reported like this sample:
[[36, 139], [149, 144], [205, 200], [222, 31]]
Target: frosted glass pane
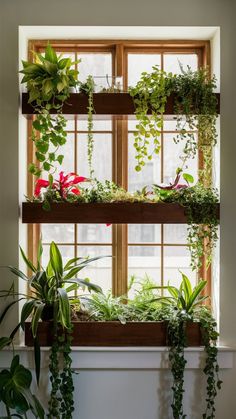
[[151, 172], [61, 233], [95, 64], [172, 153], [97, 125], [102, 156], [141, 233], [170, 125], [100, 271], [137, 63], [92, 233], [67, 253], [175, 233], [171, 62], [177, 259], [144, 260]]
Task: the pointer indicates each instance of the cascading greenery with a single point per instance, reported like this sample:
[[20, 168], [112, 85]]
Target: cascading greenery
[[195, 107], [149, 95], [48, 79], [88, 88]]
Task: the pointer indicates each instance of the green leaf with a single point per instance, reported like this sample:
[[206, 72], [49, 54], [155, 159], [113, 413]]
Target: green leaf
[[27, 261], [188, 178], [60, 158], [42, 146], [36, 317], [40, 157], [22, 377], [4, 341], [26, 311], [46, 166], [50, 54], [64, 308], [56, 260], [18, 273]]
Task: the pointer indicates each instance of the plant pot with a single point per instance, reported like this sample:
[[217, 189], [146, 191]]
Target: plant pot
[[115, 334]]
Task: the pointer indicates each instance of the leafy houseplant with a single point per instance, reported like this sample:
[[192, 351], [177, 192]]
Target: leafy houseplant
[[15, 390], [185, 304], [50, 300], [48, 80]]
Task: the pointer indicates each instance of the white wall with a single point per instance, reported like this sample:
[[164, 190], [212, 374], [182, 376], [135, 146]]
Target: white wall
[[137, 391]]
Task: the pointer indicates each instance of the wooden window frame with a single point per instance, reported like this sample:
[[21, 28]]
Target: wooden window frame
[[120, 50]]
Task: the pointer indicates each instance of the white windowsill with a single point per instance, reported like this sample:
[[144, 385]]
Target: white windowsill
[[124, 358]]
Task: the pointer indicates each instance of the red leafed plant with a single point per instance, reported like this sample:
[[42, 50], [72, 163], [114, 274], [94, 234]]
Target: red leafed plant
[[64, 185]]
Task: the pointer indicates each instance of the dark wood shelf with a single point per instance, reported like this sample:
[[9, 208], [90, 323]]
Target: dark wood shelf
[[114, 334], [105, 105], [109, 213]]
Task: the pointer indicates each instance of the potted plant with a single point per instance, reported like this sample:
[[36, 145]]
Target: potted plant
[[49, 298], [15, 392], [49, 79]]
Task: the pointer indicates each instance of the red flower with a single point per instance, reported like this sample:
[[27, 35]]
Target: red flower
[[63, 185]]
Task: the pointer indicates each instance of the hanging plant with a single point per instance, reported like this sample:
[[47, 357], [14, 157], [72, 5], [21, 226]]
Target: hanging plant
[[202, 217], [88, 88], [48, 79], [196, 109], [149, 94]]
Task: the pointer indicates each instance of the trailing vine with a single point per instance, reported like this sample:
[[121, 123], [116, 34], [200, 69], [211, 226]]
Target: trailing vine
[[149, 94], [196, 109], [88, 89], [202, 218], [49, 79]]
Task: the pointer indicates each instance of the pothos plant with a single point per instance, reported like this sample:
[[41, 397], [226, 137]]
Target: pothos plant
[[202, 216], [149, 94], [88, 88], [185, 304], [49, 79]]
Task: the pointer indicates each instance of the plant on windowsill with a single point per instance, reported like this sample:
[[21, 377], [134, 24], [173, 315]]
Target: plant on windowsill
[[195, 107], [49, 79], [49, 298], [183, 306]]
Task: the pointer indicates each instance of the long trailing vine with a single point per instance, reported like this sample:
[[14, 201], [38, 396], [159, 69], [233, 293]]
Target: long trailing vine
[[49, 79], [88, 88], [149, 94]]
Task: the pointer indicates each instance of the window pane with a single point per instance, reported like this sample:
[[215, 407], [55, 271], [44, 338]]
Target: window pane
[[175, 233], [94, 233], [172, 62], [100, 271], [60, 233], [177, 258], [95, 64], [145, 260], [137, 63], [102, 156], [151, 172], [172, 153], [82, 125], [67, 253], [141, 233]]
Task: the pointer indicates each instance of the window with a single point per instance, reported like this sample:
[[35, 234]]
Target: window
[[156, 250]]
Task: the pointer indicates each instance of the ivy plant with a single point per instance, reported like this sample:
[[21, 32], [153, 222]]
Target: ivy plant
[[49, 79]]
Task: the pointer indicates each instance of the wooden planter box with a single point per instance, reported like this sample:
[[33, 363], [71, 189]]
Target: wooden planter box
[[115, 334], [109, 213], [105, 105]]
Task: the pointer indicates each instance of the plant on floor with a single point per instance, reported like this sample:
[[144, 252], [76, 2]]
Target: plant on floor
[[49, 79], [149, 94], [202, 217], [50, 299], [88, 88], [15, 392], [186, 304]]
